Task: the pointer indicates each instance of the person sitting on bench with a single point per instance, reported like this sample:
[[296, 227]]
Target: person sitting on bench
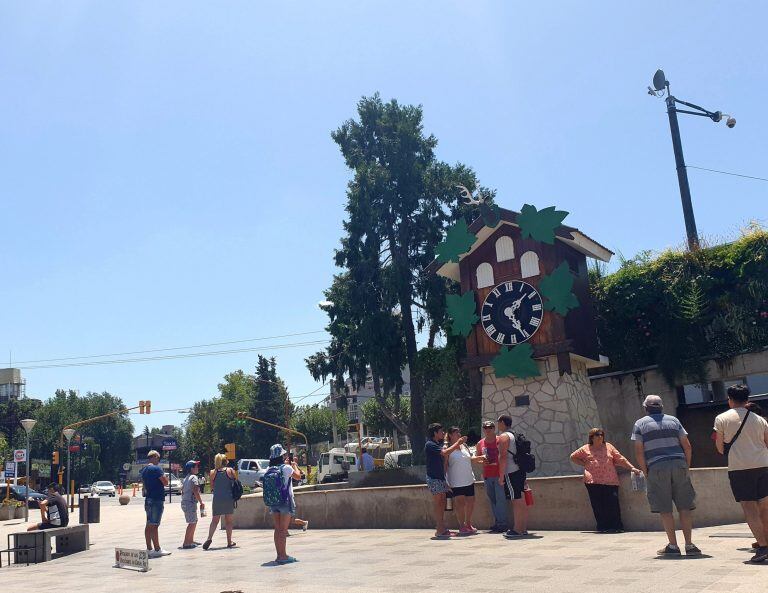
[[53, 510]]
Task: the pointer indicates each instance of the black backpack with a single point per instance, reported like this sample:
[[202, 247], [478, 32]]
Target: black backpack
[[237, 490], [523, 456]]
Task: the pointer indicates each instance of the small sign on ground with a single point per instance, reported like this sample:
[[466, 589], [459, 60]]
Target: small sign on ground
[[132, 559]]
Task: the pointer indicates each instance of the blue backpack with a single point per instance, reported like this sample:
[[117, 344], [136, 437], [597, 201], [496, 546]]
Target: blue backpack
[[276, 491]]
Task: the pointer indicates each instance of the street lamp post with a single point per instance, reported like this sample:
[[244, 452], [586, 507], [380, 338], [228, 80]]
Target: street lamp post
[[660, 87], [28, 425], [68, 433]]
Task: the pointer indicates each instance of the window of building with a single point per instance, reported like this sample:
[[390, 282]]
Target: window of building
[[505, 249], [529, 264], [484, 275]]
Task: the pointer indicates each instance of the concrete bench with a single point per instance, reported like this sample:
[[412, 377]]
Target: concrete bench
[[35, 546]]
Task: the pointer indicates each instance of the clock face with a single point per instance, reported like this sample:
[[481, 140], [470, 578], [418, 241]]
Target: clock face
[[512, 312]]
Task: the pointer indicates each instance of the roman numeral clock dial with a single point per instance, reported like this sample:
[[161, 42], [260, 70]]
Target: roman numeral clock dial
[[512, 313]]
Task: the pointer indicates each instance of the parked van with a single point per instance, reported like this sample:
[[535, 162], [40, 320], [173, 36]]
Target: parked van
[[250, 472], [335, 465]]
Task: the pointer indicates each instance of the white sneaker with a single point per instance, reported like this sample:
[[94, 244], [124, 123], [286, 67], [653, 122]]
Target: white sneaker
[[159, 553], [305, 526]]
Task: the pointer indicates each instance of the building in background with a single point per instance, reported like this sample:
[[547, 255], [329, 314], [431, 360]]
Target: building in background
[[12, 385], [357, 397]]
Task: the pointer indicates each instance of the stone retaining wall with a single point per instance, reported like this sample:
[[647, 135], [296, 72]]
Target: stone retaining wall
[[560, 503]]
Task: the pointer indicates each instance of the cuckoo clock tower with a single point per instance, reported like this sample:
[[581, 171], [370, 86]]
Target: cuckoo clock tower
[[524, 308]]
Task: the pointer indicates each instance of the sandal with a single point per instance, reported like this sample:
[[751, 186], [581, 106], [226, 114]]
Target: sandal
[[288, 560], [231, 545], [207, 544]]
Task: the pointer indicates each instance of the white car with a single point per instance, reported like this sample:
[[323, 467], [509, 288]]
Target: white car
[[103, 488], [251, 472], [174, 484]]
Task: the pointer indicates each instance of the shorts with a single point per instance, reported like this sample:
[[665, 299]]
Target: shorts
[[48, 525], [670, 481], [514, 485], [437, 486], [749, 484], [190, 511], [154, 509], [462, 491], [285, 509]]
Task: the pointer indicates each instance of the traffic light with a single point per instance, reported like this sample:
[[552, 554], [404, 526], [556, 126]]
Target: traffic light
[[230, 451], [55, 458], [241, 416], [141, 407], [147, 406]]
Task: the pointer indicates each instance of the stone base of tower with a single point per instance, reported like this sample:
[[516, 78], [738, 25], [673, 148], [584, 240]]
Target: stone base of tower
[[560, 411]]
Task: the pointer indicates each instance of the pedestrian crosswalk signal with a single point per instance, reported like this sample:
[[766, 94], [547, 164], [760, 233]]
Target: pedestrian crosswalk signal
[[229, 448], [55, 458]]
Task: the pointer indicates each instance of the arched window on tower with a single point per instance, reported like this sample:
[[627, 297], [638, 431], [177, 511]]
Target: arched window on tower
[[505, 249], [484, 275], [529, 264]]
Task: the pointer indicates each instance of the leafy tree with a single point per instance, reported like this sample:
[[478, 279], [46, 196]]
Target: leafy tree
[[213, 423], [11, 414], [316, 422], [398, 203], [111, 439]]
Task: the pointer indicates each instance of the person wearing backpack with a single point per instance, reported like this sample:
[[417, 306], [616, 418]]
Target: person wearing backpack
[[512, 473], [222, 482], [278, 496], [742, 436]]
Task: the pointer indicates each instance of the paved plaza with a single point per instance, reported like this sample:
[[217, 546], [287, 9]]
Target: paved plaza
[[368, 561]]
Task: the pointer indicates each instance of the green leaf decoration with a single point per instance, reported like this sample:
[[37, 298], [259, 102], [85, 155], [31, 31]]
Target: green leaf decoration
[[556, 289], [461, 310], [516, 362], [540, 225], [457, 241]]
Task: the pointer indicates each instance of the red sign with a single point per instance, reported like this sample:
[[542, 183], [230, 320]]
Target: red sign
[[74, 448]]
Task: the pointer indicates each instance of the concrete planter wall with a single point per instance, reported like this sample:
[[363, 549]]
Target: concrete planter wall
[[561, 503], [6, 513]]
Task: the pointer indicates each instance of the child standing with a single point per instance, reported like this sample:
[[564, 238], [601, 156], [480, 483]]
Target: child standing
[[190, 496]]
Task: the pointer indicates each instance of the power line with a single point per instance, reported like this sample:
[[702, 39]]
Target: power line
[[727, 173], [174, 356], [321, 331]]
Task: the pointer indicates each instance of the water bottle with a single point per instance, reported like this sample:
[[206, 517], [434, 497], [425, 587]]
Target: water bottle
[[528, 495], [203, 512], [448, 502], [638, 482]]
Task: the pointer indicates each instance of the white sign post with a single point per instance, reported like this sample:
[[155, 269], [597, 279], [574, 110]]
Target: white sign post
[[20, 455], [132, 559]]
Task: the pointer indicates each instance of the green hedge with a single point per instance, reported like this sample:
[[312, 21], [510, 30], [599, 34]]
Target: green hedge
[[677, 309]]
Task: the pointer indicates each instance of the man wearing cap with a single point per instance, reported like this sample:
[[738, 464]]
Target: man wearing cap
[[488, 455], [190, 496], [663, 453]]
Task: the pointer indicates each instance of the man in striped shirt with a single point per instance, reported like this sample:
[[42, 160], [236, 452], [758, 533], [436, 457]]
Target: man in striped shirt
[[663, 453]]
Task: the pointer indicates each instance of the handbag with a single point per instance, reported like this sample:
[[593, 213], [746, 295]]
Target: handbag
[[727, 446]]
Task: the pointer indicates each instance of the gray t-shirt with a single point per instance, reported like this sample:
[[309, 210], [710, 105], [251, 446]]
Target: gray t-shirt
[[188, 488]]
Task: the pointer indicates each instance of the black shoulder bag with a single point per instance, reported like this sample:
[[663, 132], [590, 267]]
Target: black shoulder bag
[[727, 446]]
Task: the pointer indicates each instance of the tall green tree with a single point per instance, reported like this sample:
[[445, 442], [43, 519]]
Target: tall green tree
[[398, 203], [111, 438], [316, 422]]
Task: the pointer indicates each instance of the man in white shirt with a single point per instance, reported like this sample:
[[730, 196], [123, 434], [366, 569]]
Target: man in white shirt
[[743, 437]]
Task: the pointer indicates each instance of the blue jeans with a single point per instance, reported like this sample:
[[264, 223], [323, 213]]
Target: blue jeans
[[154, 509], [498, 500]]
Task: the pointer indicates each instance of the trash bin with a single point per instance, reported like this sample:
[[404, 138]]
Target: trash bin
[[90, 509]]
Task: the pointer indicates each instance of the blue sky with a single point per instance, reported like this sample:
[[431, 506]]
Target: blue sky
[[167, 176]]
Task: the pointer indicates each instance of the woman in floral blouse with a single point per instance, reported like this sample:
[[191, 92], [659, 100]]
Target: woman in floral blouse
[[599, 460]]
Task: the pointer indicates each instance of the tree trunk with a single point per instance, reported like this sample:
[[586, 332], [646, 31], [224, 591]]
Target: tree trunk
[[381, 399], [433, 329], [416, 425]]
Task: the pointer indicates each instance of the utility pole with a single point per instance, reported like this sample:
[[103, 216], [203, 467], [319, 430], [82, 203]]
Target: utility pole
[[661, 87], [682, 177]]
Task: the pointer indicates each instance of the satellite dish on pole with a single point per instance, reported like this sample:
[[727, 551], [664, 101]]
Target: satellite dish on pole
[[659, 80]]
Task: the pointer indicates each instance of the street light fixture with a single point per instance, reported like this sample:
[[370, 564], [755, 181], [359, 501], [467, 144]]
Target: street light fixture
[[660, 87], [28, 424], [69, 433]]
